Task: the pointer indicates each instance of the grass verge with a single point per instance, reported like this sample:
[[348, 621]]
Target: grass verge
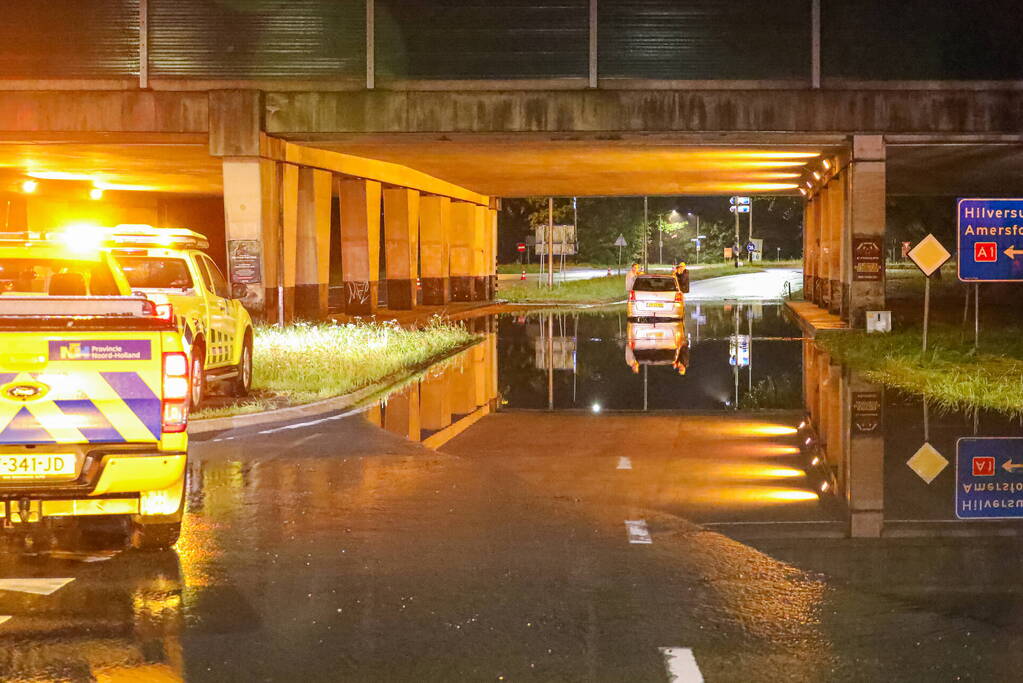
[[597, 290], [306, 362], [949, 374]]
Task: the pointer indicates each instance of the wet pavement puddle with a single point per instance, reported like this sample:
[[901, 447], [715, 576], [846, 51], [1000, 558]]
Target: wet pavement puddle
[[470, 526]]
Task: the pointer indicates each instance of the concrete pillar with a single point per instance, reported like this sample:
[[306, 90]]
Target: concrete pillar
[[360, 244], [866, 222], [252, 231], [463, 385], [312, 277], [492, 255], [463, 229], [435, 400], [289, 237], [824, 252], [435, 247], [480, 236], [808, 251], [401, 246], [401, 415], [836, 219], [481, 372], [864, 475]]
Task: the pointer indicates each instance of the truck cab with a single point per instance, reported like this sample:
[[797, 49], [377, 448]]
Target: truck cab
[[94, 389], [170, 266]]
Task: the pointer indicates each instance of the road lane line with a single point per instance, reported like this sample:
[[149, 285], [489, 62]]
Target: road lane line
[[35, 586], [3, 618], [681, 665], [305, 439], [638, 533], [624, 463]]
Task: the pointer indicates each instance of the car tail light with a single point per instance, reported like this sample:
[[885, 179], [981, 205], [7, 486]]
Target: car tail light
[[165, 312], [678, 297], [175, 392], [632, 295]]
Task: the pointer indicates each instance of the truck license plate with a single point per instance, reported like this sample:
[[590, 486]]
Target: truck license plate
[[41, 466]]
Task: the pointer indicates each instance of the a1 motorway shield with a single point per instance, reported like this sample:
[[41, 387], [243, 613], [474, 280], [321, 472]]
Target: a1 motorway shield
[[989, 478], [991, 240]]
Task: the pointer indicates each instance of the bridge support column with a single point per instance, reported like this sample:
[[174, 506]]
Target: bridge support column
[[360, 244], [402, 415], [251, 207], [836, 241], [463, 220], [435, 247], [435, 401], [315, 189], [824, 253], [480, 272], [866, 224], [401, 246], [809, 251], [492, 254]]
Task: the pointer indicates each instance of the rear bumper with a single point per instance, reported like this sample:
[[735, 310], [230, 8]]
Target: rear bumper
[[146, 484], [675, 311]]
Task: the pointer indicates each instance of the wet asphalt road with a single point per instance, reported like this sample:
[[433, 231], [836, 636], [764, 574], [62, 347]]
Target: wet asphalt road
[[339, 551], [533, 545]]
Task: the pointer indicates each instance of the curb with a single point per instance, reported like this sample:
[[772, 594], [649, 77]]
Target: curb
[[327, 405]]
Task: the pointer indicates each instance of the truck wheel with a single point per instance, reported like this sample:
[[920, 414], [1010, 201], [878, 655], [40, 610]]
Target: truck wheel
[[154, 536], [198, 384], [240, 385]]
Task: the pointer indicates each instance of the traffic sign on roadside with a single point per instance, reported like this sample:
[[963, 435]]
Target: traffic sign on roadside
[[738, 200], [521, 246], [989, 478], [990, 240], [929, 255], [742, 208], [620, 242]]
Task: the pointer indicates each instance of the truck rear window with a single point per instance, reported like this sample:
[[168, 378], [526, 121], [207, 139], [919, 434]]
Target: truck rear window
[[655, 284], [144, 272], [56, 277]]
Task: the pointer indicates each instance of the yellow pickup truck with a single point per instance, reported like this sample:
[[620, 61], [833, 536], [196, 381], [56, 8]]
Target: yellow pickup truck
[[170, 267], [94, 387]]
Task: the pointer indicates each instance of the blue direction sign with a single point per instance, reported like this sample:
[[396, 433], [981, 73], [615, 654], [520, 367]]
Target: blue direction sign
[[989, 478], [991, 240]]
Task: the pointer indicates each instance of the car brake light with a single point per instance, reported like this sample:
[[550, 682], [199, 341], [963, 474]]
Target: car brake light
[[632, 295], [678, 297], [165, 312], [175, 392]]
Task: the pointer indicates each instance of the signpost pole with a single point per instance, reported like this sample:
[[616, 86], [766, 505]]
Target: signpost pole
[[976, 315], [927, 306], [619, 259], [646, 237], [736, 254], [550, 242]]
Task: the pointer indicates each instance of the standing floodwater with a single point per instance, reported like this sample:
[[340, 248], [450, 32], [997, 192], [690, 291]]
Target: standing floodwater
[[719, 357]]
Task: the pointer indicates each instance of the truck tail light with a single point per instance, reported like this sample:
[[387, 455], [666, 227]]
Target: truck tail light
[[175, 392]]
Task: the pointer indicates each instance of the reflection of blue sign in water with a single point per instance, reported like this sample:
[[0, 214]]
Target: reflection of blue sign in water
[[738, 350], [991, 240], [989, 478]]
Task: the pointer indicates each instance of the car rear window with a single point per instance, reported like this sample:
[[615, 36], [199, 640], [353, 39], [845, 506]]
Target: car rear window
[[144, 272], [56, 277], [655, 284]]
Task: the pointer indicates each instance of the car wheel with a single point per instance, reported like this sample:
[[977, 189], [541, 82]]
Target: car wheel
[[241, 384], [198, 384]]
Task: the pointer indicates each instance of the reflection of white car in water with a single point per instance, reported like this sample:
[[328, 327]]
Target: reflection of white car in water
[[662, 343], [655, 296]]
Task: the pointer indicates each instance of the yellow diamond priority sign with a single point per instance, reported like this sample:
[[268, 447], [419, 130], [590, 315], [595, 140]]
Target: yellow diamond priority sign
[[929, 255], [927, 463]]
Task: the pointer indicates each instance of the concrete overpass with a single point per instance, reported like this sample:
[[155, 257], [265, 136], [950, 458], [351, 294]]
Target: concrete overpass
[[304, 156]]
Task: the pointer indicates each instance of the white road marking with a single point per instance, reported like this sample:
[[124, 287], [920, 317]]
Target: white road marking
[[637, 531], [681, 665], [35, 586], [624, 463], [305, 439], [93, 556], [3, 618]]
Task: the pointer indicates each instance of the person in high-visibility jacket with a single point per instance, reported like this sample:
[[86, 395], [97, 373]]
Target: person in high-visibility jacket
[[630, 277], [681, 273]]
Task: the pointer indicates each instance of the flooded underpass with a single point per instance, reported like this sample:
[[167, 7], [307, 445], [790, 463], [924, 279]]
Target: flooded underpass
[[576, 497]]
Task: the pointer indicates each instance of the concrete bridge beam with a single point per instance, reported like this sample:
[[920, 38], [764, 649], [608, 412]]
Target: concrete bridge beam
[[360, 244]]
